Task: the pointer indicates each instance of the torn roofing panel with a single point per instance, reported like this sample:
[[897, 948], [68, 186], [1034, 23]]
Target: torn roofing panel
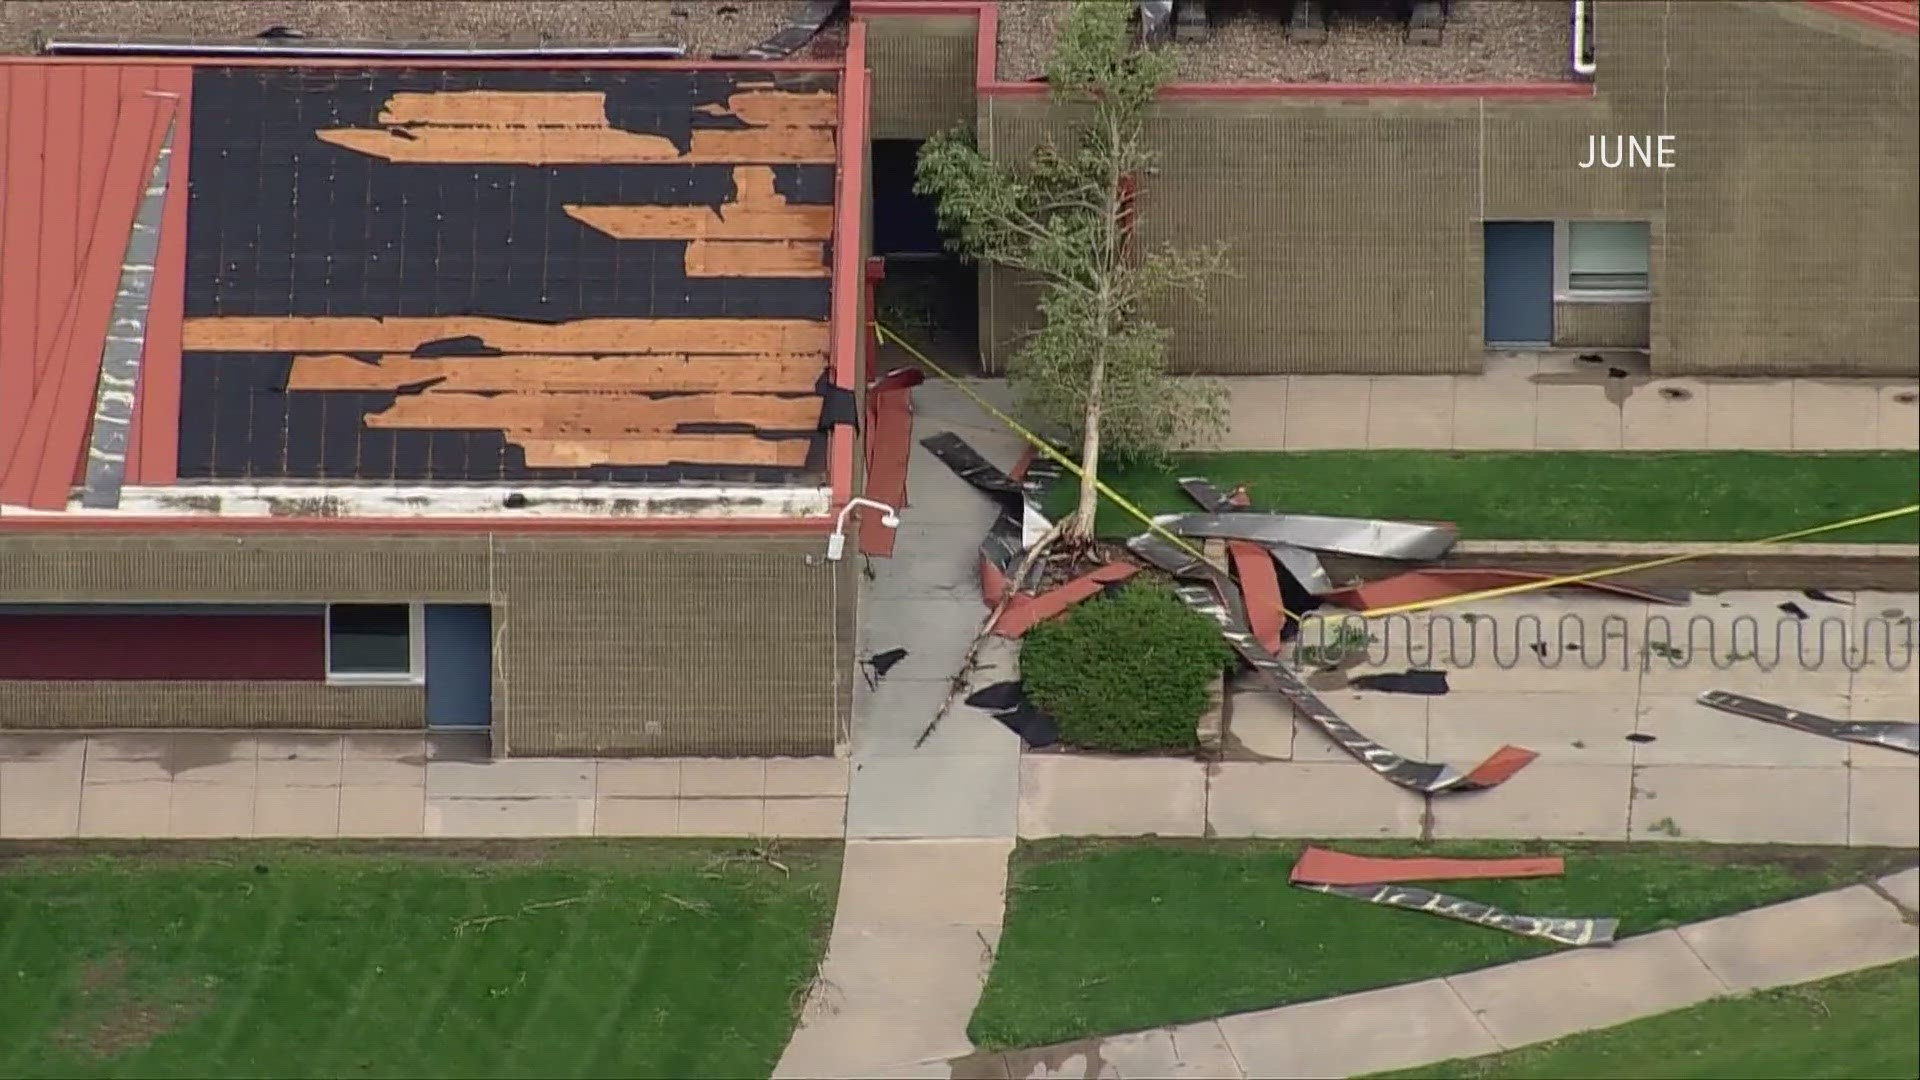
[[1324, 867], [86, 161], [561, 302]]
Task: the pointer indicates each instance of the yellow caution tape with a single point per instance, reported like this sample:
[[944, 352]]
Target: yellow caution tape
[[1047, 448], [1669, 560], [1399, 609]]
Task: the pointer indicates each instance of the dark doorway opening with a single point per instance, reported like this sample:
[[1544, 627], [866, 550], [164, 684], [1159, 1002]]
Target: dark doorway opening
[[929, 296]]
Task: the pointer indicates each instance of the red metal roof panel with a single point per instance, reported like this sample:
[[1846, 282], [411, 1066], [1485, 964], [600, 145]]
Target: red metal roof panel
[[60, 270]]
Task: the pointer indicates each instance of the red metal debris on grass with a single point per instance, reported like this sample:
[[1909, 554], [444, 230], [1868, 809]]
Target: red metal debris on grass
[[1422, 586], [889, 442], [1028, 609], [1320, 866]]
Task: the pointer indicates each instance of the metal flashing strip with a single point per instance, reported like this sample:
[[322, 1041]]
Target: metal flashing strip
[[1303, 565], [425, 502], [1894, 735], [1368, 537], [126, 340], [1576, 932]]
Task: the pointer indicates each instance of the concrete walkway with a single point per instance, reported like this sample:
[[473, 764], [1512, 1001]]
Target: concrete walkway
[[1626, 752], [1554, 401], [206, 784], [928, 829], [1501, 1008]]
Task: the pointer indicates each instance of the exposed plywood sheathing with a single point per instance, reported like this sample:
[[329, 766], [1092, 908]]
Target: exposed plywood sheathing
[[699, 223], [757, 212], [540, 413], [777, 109], [681, 449], [757, 258], [654, 374], [490, 108], [403, 334], [572, 128], [758, 234]]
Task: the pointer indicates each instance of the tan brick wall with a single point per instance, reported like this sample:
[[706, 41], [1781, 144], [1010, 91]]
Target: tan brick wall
[[690, 645], [1793, 227], [923, 73], [68, 706], [1787, 239], [1600, 326]]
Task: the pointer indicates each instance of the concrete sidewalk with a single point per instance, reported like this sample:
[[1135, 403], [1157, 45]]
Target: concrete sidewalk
[[1501, 1008], [398, 784], [1554, 401], [1625, 750], [929, 828]]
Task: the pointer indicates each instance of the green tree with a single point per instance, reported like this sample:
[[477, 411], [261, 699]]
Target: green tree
[[1096, 366]]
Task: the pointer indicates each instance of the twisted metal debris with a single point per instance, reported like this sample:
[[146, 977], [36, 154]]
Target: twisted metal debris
[[1577, 932], [1892, 735]]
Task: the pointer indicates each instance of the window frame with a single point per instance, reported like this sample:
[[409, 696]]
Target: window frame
[[1563, 290], [416, 673]]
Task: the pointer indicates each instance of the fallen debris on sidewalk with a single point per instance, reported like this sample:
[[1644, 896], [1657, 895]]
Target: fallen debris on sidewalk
[[1217, 600], [875, 667], [1009, 704], [1894, 735], [1376, 880], [1014, 532], [1411, 681]]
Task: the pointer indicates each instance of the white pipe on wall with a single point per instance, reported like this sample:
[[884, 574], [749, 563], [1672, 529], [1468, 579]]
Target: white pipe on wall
[[1581, 65]]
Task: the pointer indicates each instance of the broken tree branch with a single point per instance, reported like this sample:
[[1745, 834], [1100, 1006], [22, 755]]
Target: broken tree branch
[[971, 660]]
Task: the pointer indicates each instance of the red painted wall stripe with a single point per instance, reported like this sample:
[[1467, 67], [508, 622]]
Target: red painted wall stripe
[[164, 647]]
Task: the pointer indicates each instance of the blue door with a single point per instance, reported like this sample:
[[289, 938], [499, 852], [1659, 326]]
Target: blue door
[[459, 665], [1519, 273]]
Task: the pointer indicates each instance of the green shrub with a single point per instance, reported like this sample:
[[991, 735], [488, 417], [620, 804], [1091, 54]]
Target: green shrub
[[1129, 673]]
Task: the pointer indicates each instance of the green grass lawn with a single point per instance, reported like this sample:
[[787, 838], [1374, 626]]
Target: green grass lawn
[[1111, 936], [654, 958], [1550, 496], [1866, 1024]]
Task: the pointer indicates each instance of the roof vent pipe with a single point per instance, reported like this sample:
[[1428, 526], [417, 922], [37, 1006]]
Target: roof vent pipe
[[1583, 59]]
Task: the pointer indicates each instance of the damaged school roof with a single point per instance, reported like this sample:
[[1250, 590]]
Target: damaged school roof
[[412, 290]]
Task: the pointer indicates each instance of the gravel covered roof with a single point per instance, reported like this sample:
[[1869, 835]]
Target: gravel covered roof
[[1485, 41], [702, 26]]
